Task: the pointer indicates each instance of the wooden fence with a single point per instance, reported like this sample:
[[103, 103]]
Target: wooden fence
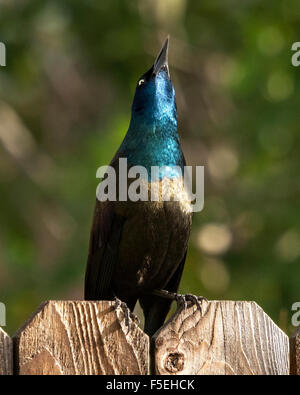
[[91, 338]]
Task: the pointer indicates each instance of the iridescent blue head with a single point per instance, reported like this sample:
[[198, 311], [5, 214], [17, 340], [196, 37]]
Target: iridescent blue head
[[152, 138], [154, 101]]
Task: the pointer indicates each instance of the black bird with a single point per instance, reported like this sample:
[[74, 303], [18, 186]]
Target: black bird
[[139, 248]]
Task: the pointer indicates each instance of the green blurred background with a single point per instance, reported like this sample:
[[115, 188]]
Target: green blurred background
[[65, 98]]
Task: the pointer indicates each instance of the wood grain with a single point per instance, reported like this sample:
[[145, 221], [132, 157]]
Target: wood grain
[[80, 338], [6, 354], [226, 338], [295, 353]]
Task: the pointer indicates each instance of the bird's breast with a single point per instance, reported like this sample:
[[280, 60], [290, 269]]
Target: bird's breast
[[154, 194], [170, 190], [155, 235]]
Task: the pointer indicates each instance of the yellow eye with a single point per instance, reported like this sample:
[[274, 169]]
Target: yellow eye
[[141, 82]]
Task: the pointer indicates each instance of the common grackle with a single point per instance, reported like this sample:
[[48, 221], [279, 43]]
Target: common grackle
[[139, 248]]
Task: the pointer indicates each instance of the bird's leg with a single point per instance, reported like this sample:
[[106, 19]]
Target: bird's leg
[[127, 312], [179, 298]]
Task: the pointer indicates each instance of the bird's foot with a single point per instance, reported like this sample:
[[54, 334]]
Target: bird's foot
[[128, 314], [180, 299]]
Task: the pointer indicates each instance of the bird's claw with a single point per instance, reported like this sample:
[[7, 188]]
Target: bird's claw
[[183, 299], [125, 309], [180, 299], [127, 313]]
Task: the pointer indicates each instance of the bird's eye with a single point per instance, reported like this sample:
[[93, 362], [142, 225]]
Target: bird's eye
[[141, 82]]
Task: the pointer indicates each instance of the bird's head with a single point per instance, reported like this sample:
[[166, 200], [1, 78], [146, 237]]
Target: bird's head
[[154, 99]]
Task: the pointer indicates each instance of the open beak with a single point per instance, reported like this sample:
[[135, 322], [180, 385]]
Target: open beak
[[162, 59]]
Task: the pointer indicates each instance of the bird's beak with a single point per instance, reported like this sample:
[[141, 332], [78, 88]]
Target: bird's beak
[[162, 59]]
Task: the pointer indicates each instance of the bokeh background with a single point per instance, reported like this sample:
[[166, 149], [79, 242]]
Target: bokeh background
[[65, 98]]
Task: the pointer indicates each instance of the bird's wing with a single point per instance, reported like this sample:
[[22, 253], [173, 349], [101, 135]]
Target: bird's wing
[[104, 248], [103, 252]]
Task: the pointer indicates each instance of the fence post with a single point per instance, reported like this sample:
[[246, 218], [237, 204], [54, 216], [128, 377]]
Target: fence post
[[295, 353], [6, 354], [79, 337], [226, 337]]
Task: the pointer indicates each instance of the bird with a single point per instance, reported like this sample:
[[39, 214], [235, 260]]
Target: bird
[[138, 249]]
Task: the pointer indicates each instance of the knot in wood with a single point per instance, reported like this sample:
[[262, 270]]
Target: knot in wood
[[174, 362]]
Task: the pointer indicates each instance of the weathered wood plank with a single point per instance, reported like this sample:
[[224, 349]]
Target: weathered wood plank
[[6, 354], [295, 353], [79, 337], [225, 338]]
